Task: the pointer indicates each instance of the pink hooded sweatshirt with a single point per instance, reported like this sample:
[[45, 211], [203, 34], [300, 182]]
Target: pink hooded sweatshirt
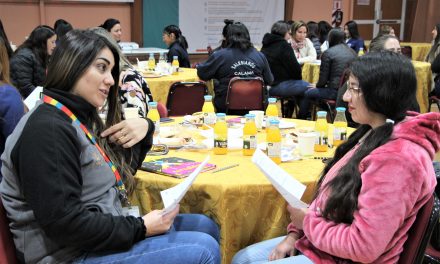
[[397, 180]]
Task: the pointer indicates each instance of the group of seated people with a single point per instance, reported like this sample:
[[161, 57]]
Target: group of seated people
[[67, 174]]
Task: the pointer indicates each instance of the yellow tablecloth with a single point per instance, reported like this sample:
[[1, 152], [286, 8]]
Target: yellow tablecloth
[[241, 200], [310, 73], [419, 50]]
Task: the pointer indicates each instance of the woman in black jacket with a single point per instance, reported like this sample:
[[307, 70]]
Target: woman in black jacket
[[177, 45], [333, 63], [30, 60]]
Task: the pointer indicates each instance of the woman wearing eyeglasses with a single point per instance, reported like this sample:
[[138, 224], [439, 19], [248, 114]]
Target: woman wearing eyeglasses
[[371, 190]]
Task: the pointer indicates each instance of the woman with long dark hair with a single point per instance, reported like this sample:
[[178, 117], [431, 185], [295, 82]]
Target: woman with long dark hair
[[113, 26], [67, 176], [30, 60], [238, 59], [352, 36], [371, 190], [177, 45]]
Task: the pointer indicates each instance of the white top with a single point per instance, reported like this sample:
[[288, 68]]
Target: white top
[[306, 53]]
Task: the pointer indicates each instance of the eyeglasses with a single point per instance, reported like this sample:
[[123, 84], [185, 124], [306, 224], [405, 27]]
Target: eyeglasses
[[353, 90]]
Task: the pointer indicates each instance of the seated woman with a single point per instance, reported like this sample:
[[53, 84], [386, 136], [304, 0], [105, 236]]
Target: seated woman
[[30, 60], [11, 105], [177, 45], [70, 198], [114, 27], [433, 58], [301, 45], [283, 64], [386, 30], [238, 59], [312, 34], [334, 61], [370, 191], [353, 39], [323, 29]]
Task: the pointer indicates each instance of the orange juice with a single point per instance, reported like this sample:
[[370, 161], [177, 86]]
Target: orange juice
[[154, 116], [221, 135], [249, 136], [273, 139], [321, 127], [175, 65], [151, 62], [340, 127], [208, 111], [271, 111]]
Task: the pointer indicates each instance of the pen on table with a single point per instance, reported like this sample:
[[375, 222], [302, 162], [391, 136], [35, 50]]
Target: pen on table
[[225, 168]]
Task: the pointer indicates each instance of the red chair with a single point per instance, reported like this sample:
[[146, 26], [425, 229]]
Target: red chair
[[434, 100], [420, 232], [186, 98], [7, 247], [162, 109], [245, 94]]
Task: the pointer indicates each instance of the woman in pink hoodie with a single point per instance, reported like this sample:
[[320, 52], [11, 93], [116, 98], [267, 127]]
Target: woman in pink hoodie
[[372, 189]]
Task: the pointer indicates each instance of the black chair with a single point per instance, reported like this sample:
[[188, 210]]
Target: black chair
[[186, 98], [407, 51], [245, 94]]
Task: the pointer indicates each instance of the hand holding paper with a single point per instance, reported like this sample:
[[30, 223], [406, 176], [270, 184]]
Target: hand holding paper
[[291, 189]]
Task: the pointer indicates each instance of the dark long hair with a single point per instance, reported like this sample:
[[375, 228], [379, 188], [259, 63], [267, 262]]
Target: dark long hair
[[109, 24], [323, 29], [431, 55], [4, 63], [238, 37], [61, 28], [5, 38], [225, 31], [178, 34], [71, 59], [381, 76], [37, 42], [312, 29], [335, 36], [352, 29]]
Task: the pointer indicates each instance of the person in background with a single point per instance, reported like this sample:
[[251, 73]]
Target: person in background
[[61, 28], [433, 58], [334, 62], [285, 68], [73, 206], [11, 105], [177, 45], [353, 39], [385, 42], [386, 30], [370, 192], [313, 35], [5, 39], [323, 29], [301, 45], [114, 27], [238, 59], [224, 34], [133, 89], [30, 60]]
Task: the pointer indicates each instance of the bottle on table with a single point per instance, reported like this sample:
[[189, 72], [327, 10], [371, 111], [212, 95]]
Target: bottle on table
[[321, 128], [361, 52], [162, 58], [175, 65], [273, 140], [153, 115], [249, 135], [221, 135], [339, 127], [208, 111], [271, 111], [151, 62]]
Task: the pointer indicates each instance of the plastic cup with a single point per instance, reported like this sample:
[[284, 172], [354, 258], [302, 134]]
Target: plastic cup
[[259, 115], [306, 142]]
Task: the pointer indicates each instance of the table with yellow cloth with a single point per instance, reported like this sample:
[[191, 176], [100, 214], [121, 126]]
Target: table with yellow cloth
[[160, 86], [419, 50], [241, 200], [310, 73]]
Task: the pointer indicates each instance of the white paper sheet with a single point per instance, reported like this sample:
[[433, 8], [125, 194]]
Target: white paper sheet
[[33, 97], [172, 196], [291, 189]]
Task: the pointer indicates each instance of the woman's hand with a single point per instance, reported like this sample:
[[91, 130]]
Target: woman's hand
[[127, 132], [158, 223], [285, 248], [297, 216]]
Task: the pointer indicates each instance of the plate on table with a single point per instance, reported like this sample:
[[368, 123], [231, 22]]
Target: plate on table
[[151, 75]]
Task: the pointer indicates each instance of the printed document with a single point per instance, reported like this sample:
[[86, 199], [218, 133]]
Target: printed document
[[291, 189]]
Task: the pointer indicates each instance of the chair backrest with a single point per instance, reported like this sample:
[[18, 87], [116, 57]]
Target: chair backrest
[[420, 232], [246, 94], [186, 98], [407, 51], [7, 247]]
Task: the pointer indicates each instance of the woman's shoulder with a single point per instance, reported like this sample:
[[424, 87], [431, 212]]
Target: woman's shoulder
[[8, 90]]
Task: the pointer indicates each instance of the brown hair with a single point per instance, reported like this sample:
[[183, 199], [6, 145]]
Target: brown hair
[[4, 63]]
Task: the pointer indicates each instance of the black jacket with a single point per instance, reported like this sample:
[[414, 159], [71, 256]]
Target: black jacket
[[176, 50], [282, 60], [333, 63], [27, 72]]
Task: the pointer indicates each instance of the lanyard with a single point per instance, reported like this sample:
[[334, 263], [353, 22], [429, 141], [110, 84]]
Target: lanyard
[[119, 184]]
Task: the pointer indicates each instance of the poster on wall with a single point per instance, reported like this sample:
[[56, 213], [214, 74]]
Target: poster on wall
[[202, 23], [363, 2]]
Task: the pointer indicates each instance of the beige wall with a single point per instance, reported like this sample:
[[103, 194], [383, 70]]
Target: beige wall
[[317, 10], [19, 19]]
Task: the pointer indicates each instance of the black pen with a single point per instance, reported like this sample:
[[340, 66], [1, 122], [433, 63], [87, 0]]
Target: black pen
[[225, 168]]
